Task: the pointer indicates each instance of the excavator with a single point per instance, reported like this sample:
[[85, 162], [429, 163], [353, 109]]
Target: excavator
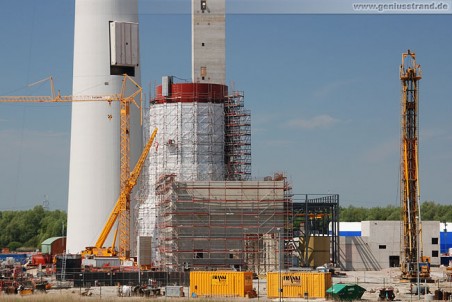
[[98, 249]]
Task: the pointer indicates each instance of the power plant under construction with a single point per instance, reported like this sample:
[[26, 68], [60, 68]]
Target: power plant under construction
[[202, 210], [169, 187], [196, 205]]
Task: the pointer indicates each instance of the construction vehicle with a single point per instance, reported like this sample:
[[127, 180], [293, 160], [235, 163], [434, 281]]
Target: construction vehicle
[[414, 265], [125, 101], [98, 249]]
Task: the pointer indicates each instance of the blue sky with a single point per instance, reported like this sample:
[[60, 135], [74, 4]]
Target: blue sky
[[323, 90]]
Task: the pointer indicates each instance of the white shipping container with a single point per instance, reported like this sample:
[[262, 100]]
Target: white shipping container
[[101, 262]]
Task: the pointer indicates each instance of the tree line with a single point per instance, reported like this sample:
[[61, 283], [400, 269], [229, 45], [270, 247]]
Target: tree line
[[26, 230], [430, 211]]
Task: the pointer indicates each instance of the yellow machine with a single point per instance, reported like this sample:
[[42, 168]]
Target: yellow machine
[[125, 101], [98, 249]]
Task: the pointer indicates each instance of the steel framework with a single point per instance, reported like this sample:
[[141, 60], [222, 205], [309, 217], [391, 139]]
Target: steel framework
[[317, 216]]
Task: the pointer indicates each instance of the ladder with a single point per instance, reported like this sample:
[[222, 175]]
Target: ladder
[[63, 267]]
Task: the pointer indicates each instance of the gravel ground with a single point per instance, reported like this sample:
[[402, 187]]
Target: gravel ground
[[372, 281]]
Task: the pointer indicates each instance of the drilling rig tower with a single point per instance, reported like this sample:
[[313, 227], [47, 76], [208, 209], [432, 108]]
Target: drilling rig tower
[[414, 264]]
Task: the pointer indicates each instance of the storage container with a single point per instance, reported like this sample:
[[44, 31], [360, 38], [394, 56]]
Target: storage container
[[174, 291], [220, 284], [298, 284]]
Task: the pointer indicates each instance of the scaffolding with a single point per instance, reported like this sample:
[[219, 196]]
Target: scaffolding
[[237, 138], [190, 140], [189, 144], [243, 225], [141, 195]]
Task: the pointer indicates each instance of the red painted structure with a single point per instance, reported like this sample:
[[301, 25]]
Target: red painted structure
[[192, 92], [53, 246], [40, 258]]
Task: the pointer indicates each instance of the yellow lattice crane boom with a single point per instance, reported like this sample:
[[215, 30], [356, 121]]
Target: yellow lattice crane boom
[[125, 103], [118, 209]]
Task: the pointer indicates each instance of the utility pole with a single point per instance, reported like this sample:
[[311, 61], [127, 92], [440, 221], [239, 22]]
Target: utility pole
[[279, 265]]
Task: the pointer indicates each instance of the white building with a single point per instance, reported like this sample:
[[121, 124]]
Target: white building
[[374, 245]]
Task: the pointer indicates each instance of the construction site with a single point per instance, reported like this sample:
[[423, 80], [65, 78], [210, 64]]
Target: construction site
[[182, 214], [223, 225]]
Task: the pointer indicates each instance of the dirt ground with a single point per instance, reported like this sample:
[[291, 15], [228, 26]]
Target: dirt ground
[[375, 280], [372, 281]]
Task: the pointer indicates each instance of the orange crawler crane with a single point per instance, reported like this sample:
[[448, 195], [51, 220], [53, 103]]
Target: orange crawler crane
[[414, 265]]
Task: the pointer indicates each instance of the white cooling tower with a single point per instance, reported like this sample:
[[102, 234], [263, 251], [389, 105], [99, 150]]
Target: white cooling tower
[[105, 47]]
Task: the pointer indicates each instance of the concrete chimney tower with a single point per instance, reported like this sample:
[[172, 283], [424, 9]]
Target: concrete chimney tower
[[190, 116], [208, 41]]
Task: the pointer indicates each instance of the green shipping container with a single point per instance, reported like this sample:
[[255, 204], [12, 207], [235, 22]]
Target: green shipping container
[[220, 284], [298, 284]]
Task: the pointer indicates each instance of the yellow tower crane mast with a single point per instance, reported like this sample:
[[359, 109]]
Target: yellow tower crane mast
[[125, 103]]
